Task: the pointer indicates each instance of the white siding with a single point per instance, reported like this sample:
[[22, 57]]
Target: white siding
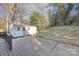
[[31, 29], [15, 32]]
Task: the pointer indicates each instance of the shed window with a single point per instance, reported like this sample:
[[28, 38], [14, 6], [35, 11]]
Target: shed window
[[18, 28], [28, 28], [23, 28]]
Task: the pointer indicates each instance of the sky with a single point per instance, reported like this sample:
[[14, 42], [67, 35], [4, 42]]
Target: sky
[[2, 13], [35, 7], [73, 12]]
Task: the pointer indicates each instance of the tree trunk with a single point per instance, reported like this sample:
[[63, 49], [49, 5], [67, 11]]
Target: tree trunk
[[64, 18]]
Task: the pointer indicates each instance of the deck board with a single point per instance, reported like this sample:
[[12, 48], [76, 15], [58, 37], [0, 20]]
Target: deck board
[[20, 47]]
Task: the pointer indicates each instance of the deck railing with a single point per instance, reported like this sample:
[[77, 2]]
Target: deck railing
[[8, 39]]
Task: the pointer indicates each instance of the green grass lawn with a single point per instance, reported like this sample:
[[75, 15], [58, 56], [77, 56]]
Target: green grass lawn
[[68, 34]]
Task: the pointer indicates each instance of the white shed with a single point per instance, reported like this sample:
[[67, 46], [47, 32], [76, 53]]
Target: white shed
[[31, 29], [20, 30]]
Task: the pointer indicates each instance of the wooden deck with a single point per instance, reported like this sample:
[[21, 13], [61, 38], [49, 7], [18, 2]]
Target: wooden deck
[[20, 47], [26, 46]]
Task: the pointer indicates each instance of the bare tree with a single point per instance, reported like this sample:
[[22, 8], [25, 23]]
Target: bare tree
[[14, 13]]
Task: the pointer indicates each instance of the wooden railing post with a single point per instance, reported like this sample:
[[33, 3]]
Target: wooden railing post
[[10, 41]]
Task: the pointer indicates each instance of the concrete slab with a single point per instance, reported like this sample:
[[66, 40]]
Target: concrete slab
[[63, 49]]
